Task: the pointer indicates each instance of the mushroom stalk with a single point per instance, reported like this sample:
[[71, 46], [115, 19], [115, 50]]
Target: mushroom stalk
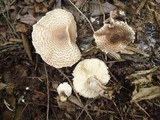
[[98, 86]]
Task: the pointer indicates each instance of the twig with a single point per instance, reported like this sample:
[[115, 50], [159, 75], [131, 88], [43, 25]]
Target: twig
[[11, 26], [47, 117], [75, 93], [102, 9], [85, 107], [142, 109], [141, 6], [19, 117], [83, 15], [118, 110]]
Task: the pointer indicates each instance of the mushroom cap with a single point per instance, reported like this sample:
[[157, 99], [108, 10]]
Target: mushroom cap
[[64, 90], [114, 38], [54, 38], [83, 73]]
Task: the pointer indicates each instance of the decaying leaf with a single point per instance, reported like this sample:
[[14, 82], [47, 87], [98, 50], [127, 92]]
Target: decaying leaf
[[136, 50], [2, 86], [143, 80], [28, 19], [74, 100], [66, 105], [146, 93], [40, 8], [114, 55], [21, 28], [10, 102], [95, 8], [137, 74], [26, 46], [142, 77]]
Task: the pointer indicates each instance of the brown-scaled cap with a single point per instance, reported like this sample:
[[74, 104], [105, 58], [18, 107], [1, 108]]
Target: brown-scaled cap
[[54, 37], [114, 38]]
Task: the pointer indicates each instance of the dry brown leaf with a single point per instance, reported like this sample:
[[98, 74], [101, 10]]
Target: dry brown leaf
[[15, 40], [95, 8], [39, 1], [143, 80], [21, 28], [40, 8], [74, 100], [136, 50], [141, 77], [28, 19], [120, 4], [66, 105], [26, 46], [146, 93], [114, 55], [2, 86]]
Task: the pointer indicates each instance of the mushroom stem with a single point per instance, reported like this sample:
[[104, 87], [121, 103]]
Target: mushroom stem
[[63, 97], [99, 87]]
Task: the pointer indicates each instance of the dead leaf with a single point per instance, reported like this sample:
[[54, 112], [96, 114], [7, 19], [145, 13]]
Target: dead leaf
[[66, 105], [26, 46], [21, 28], [142, 77], [39, 1], [79, 3], [74, 100], [141, 72], [143, 80], [10, 102], [15, 40], [136, 50], [28, 19], [2, 86], [95, 8], [115, 55], [120, 4], [40, 8], [146, 93]]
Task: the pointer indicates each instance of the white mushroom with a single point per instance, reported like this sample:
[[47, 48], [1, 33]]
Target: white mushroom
[[90, 76], [64, 90], [114, 36], [54, 38]]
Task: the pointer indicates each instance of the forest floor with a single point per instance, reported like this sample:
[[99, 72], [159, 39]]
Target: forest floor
[[28, 85]]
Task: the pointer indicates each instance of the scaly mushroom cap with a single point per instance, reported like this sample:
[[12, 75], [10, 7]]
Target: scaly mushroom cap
[[54, 37], [85, 73], [64, 90], [114, 38]]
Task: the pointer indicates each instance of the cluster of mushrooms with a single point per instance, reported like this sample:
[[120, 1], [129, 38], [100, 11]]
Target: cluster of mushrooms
[[54, 39]]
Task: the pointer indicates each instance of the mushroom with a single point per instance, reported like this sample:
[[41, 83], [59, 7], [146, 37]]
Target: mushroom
[[64, 91], [114, 36], [54, 38], [90, 76]]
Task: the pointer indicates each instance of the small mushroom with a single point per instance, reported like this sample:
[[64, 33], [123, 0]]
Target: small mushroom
[[90, 76], [114, 36], [54, 38], [64, 90]]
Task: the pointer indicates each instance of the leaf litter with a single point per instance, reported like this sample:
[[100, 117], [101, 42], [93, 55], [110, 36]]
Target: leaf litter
[[135, 71]]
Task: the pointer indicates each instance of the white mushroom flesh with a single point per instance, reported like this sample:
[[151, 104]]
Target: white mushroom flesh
[[88, 74], [64, 90]]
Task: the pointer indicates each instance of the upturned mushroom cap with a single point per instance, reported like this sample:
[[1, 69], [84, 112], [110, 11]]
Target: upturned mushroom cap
[[86, 75], [64, 90], [114, 38], [54, 37]]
